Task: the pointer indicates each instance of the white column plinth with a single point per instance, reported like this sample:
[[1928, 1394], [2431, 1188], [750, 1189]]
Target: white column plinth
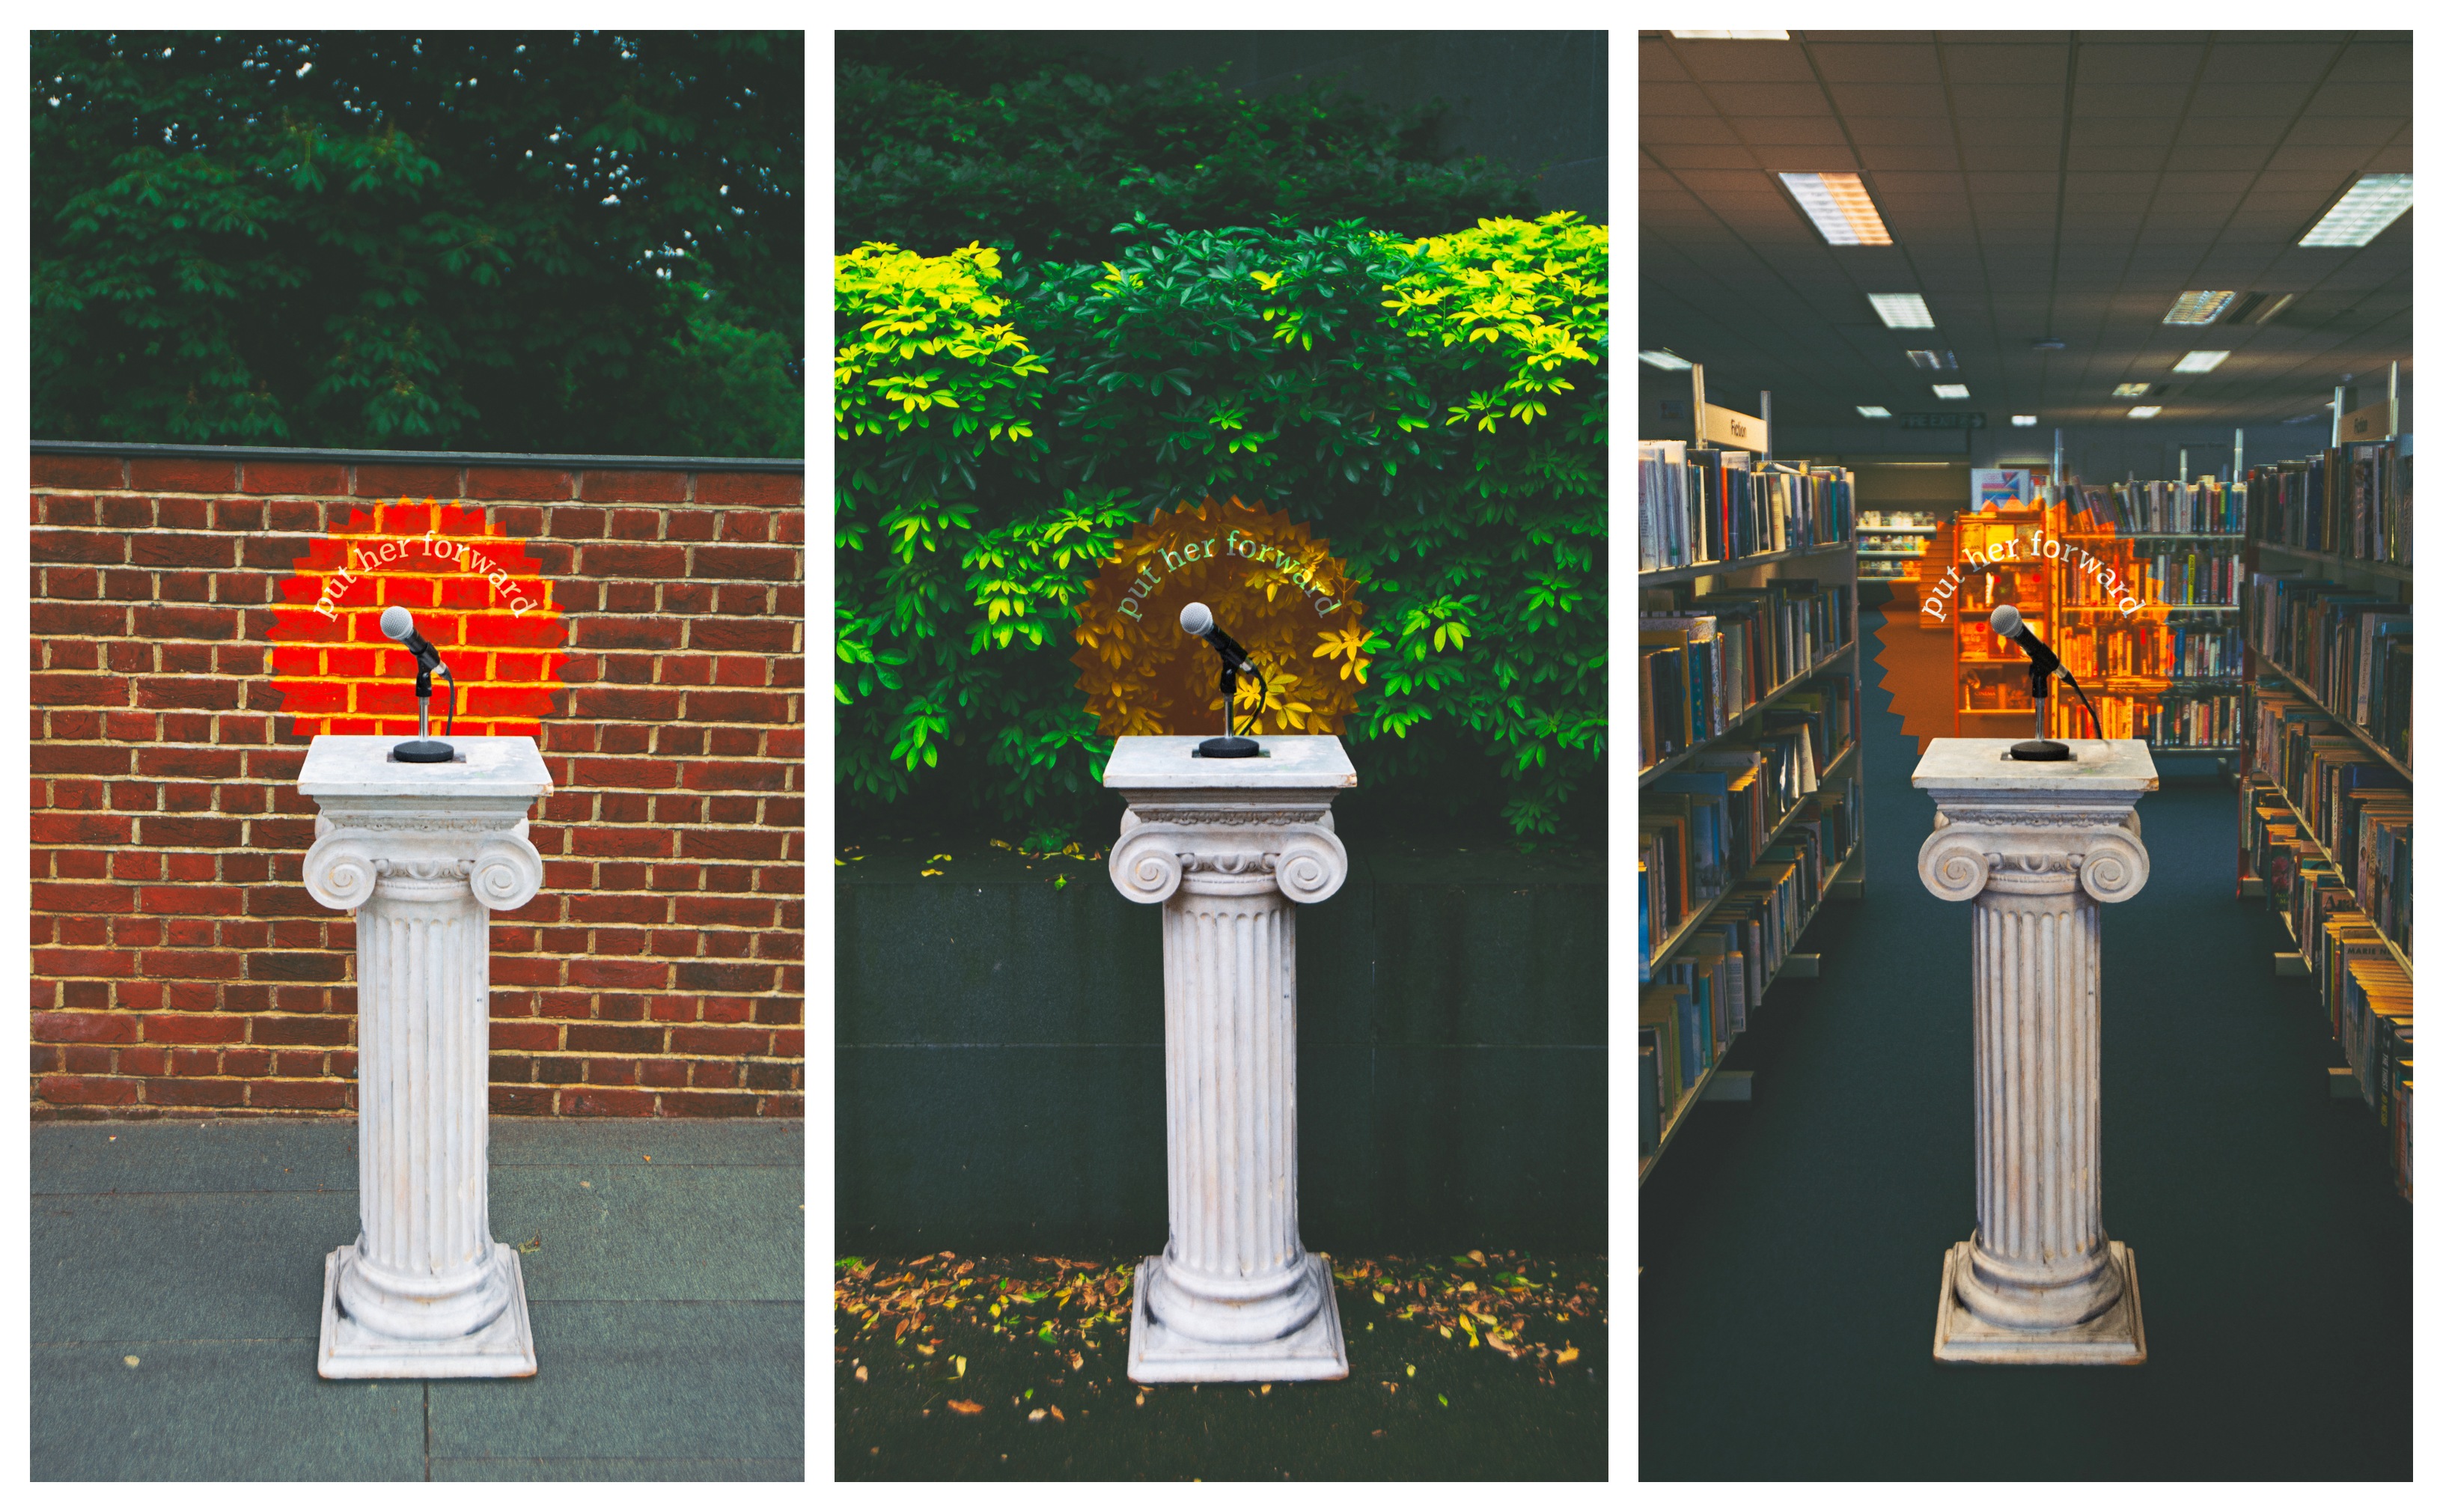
[[2034, 846], [422, 853], [1229, 848]]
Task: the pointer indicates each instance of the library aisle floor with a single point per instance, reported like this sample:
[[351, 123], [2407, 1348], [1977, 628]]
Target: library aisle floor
[[1792, 1247]]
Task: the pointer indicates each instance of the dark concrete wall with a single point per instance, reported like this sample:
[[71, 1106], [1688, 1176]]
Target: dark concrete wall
[[999, 1080], [1537, 100]]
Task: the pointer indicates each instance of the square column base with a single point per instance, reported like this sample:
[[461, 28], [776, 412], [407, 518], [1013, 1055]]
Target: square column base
[[2118, 1336], [1158, 1356], [503, 1348]]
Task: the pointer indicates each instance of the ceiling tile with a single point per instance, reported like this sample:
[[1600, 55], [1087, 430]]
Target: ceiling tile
[[1948, 185], [1887, 156], [1746, 62], [1878, 63], [2392, 159], [1742, 102], [2278, 101], [2045, 132], [2369, 62], [1914, 131], [2122, 102], [2008, 66], [2354, 96], [2124, 156], [2149, 131], [1686, 131], [2233, 131], [2250, 63], [2341, 131], [2112, 63], [1672, 100], [1671, 155], [2044, 156], [1855, 99], [1794, 131], [2337, 159], [1780, 159], [1655, 63], [2022, 101]]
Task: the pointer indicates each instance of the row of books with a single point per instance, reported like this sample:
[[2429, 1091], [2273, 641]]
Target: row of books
[[1698, 505], [2206, 506], [2151, 649], [2351, 649], [1689, 1013], [1718, 655], [2357, 807], [1703, 824], [2168, 721], [1884, 567], [2185, 575], [2350, 500]]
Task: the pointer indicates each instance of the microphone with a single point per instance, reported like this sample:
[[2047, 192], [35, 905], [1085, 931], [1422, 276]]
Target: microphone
[[400, 626], [1197, 622], [2008, 624]]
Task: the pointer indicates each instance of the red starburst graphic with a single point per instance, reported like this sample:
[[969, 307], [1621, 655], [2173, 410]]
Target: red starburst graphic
[[478, 596]]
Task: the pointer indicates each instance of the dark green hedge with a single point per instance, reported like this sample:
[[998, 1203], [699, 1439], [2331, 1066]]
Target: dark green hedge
[[1437, 407]]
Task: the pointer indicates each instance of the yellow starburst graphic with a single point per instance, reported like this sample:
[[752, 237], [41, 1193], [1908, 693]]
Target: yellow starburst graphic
[[1272, 588]]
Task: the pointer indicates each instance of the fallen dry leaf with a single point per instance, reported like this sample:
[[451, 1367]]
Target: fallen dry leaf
[[964, 1408], [1056, 1416], [1036, 1416], [860, 1375], [1565, 1356]]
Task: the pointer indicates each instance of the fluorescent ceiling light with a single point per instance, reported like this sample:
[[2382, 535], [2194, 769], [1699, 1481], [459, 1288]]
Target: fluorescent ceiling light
[[2198, 306], [1840, 207], [2023, 420], [1874, 411], [2199, 363], [1951, 390], [2145, 412], [1902, 311], [1732, 36], [1937, 359], [2374, 202], [2128, 391], [1668, 361]]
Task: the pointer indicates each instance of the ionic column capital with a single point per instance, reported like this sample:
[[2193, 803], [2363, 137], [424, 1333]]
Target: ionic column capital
[[1984, 847], [488, 850], [1224, 851]]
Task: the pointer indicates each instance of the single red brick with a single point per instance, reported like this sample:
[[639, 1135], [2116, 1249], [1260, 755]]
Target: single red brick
[[718, 1040], [85, 1029], [151, 549], [325, 478], [86, 472], [330, 1096], [615, 1039], [87, 1091], [769, 638], [526, 1101], [182, 474], [517, 483], [710, 1104], [750, 488], [608, 1102], [385, 481], [654, 487], [195, 1092], [524, 1036], [785, 1107]]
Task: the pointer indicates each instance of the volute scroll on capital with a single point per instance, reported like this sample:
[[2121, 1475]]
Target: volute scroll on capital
[[502, 868], [1305, 861], [2102, 856]]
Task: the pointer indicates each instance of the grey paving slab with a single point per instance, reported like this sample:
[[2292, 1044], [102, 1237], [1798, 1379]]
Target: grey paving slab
[[790, 1468], [215, 1411], [224, 1154], [655, 1233], [626, 1380], [184, 1265]]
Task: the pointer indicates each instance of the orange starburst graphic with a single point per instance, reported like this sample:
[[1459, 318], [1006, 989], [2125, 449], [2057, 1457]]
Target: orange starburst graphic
[[1273, 588], [476, 594]]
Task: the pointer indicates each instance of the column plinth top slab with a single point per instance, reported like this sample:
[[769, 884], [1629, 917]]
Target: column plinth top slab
[[2099, 771], [1165, 768], [359, 767]]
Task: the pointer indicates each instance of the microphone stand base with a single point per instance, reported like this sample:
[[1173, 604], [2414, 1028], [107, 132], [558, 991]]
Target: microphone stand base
[[422, 750], [2040, 750], [1228, 747]]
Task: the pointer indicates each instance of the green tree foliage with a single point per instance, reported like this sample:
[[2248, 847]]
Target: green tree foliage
[[1437, 407], [937, 150], [482, 241]]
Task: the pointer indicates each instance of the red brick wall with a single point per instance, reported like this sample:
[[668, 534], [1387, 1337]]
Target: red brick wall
[[178, 964]]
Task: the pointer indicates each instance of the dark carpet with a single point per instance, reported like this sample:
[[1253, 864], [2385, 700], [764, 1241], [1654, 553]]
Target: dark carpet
[[1792, 1247]]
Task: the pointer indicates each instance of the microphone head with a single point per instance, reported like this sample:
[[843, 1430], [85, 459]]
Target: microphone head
[[398, 623], [2006, 621], [1196, 619]]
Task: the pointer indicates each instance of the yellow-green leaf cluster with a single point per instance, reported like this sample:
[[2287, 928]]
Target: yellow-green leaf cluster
[[920, 334], [1526, 299]]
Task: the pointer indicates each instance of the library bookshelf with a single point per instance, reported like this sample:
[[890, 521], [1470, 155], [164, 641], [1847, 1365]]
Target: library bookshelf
[[2324, 763], [1749, 754]]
